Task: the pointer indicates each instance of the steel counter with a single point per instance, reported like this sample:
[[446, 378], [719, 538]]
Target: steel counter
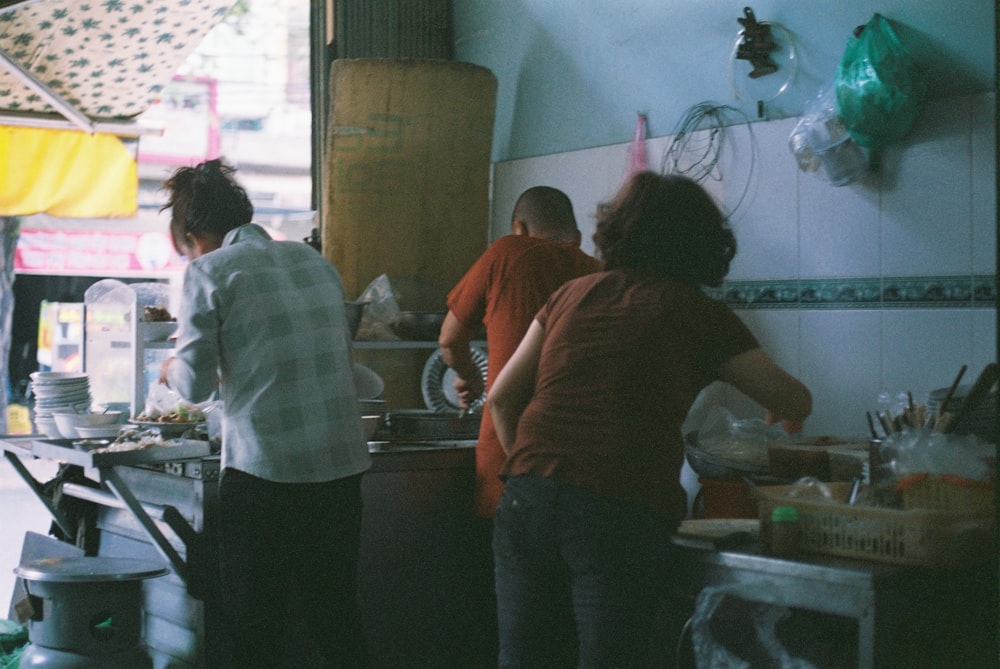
[[417, 559], [895, 607]]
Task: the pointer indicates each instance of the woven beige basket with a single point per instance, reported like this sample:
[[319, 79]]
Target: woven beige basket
[[946, 493], [920, 537]]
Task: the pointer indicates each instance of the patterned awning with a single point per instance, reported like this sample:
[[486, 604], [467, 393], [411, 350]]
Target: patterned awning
[[74, 75], [107, 60]]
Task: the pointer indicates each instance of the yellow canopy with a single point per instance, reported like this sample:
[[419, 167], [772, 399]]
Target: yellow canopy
[[66, 173]]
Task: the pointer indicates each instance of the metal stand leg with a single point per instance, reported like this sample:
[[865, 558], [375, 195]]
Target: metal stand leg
[[114, 482], [36, 487]]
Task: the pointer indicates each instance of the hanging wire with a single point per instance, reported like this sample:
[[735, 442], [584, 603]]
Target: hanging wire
[[698, 142]]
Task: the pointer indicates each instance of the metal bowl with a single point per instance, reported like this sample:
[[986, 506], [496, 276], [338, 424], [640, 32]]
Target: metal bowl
[[709, 466], [419, 325]]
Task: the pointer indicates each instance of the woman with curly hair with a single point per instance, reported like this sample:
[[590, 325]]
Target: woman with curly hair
[[589, 411], [263, 322]]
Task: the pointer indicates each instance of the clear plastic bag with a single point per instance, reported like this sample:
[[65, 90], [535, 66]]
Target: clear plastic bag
[[742, 440], [921, 450], [381, 312], [823, 147], [733, 629], [162, 400]]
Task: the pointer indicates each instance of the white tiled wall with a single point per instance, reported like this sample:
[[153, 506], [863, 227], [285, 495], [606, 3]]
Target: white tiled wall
[[926, 208], [931, 212], [841, 364], [984, 182], [766, 221]]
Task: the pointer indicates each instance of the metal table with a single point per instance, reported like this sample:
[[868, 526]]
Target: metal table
[[881, 597], [114, 491]]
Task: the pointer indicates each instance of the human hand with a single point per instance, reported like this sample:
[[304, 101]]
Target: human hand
[[789, 426], [468, 391], [164, 368]]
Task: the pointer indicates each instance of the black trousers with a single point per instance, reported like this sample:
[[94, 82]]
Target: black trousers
[[289, 562]]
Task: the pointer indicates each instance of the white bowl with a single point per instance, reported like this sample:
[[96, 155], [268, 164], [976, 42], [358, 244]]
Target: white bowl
[[98, 431], [367, 383], [122, 407], [42, 377], [67, 423], [48, 427]]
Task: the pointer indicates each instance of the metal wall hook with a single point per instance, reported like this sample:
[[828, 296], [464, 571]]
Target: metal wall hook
[[756, 45]]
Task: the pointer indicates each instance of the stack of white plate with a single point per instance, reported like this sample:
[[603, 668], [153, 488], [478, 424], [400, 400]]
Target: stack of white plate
[[58, 392]]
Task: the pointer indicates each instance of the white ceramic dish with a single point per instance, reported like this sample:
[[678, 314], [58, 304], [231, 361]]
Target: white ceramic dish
[[67, 423], [98, 431], [48, 427], [58, 377]]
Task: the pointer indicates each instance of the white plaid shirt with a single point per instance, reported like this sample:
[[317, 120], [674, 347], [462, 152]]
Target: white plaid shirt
[[265, 321]]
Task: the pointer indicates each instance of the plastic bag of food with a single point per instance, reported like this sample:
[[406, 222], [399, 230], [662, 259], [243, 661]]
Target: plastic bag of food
[[163, 404], [821, 144], [381, 312], [879, 89]]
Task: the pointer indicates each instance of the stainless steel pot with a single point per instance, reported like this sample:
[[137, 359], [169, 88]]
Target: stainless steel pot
[[427, 425]]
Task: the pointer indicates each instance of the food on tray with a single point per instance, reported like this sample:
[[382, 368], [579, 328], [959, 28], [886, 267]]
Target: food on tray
[[134, 440], [157, 314]]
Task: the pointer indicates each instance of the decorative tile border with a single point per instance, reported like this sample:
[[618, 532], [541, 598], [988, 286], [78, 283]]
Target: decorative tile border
[[918, 292]]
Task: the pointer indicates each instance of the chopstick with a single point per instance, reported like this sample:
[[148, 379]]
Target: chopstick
[[912, 416], [979, 391], [943, 417], [871, 425]]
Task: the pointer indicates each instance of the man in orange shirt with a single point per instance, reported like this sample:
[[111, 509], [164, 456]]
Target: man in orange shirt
[[504, 290]]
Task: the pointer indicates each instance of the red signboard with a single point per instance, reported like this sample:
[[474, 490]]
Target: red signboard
[[96, 252]]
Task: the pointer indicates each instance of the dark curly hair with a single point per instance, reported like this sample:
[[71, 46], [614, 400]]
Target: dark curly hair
[[666, 226], [205, 199]]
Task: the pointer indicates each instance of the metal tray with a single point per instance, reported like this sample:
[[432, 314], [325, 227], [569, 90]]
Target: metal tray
[[75, 453]]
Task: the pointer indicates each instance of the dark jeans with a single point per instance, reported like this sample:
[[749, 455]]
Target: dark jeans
[[289, 559], [570, 563]]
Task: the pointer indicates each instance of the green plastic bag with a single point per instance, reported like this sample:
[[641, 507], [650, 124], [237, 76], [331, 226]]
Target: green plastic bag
[[879, 89], [13, 638]]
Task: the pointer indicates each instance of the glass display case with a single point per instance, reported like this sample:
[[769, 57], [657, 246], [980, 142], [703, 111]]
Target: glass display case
[[123, 350]]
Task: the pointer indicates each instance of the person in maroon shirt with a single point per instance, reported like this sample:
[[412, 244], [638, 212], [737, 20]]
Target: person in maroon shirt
[[589, 411]]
